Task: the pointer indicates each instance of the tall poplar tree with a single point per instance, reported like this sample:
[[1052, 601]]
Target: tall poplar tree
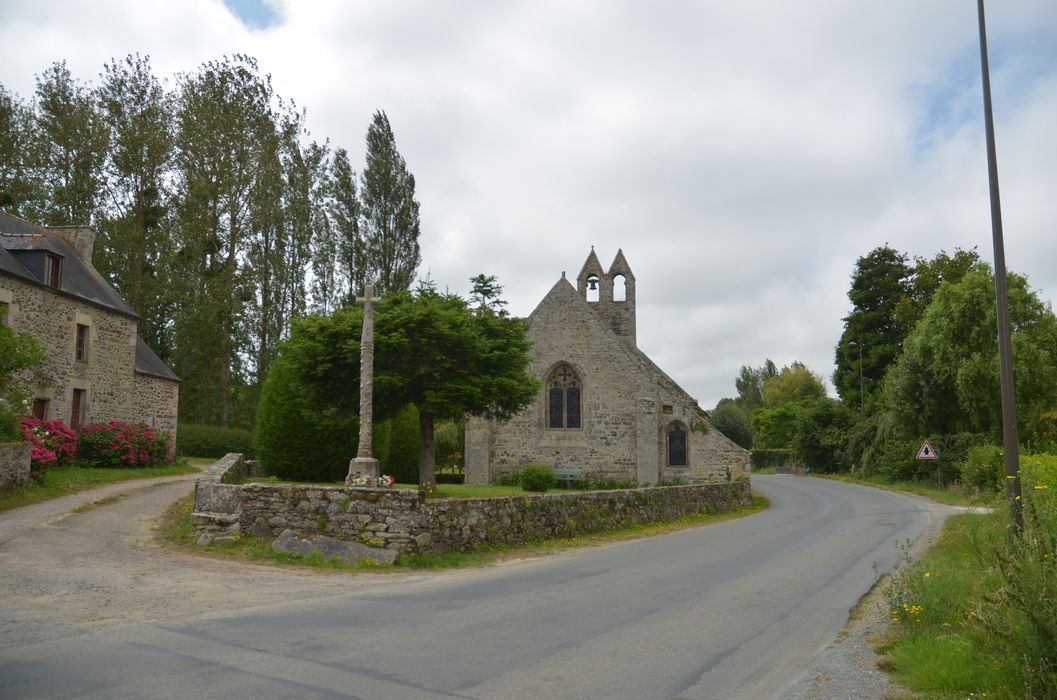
[[389, 216], [344, 212], [133, 248], [17, 186], [69, 150]]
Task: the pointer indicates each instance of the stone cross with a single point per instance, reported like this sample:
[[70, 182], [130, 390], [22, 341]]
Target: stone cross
[[364, 463]]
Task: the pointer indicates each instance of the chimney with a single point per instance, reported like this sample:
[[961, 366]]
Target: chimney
[[80, 238]]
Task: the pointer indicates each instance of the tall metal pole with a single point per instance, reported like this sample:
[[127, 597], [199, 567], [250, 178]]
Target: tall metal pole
[[1005, 344]]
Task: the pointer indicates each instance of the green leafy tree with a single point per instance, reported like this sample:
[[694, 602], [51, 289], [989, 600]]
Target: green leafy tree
[[21, 360], [880, 281], [749, 383], [389, 219], [486, 295], [792, 385], [133, 249], [17, 184], [926, 278], [729, 419], [435, 353], [946, 379], [822, 434], [344, 210], [70, 144]]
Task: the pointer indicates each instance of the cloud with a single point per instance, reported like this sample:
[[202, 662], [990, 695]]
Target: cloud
[[743, 155]]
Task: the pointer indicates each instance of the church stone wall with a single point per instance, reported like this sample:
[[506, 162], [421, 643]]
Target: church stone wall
[[606, 445]]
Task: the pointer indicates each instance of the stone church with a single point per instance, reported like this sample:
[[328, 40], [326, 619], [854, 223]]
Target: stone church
[[604, 407]]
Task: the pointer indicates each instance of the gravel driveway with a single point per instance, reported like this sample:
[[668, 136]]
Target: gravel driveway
[[63, 572]]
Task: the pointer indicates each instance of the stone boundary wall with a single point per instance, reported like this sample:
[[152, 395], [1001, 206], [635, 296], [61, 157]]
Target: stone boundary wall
[[401, 520], [14, 464]]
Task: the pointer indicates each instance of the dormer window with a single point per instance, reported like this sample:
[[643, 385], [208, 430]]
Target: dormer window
[[52, 270]]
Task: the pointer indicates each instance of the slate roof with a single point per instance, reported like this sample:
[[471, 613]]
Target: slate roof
[[78, 279], [147, 362]]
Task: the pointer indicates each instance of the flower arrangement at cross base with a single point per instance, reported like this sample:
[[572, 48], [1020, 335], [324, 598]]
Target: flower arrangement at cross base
[[381, 482]]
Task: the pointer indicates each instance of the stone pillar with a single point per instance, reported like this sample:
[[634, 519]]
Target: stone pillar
[[364, 464], [647, 448], [478, 451]]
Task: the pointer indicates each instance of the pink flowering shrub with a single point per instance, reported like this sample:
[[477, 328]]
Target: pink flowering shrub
[[121, 445], [51, 442]]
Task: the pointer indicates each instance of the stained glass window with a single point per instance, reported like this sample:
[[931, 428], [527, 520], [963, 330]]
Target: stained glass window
[[563, 398], [677, 446]]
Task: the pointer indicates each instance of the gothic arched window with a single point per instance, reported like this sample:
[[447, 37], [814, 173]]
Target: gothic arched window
[[676, 446], [564, 398]]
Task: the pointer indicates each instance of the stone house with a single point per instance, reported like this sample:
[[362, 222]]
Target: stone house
[[96, 366], [604, 407]]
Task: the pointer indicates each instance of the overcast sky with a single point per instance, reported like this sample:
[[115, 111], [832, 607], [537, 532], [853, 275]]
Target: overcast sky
[[743, 153]]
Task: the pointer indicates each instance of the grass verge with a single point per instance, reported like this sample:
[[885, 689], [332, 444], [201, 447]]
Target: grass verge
[[976, 616], [175, 531], [62, 481], [955, 495]]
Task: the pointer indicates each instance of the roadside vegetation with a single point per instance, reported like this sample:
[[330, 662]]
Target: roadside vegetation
[[175, 530], [976, 616]]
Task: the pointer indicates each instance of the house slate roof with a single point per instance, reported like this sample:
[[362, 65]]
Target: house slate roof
[[78, 279], [147, 362]]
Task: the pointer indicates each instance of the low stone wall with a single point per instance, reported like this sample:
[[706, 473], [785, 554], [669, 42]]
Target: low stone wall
[[400, 519], [14, 464]]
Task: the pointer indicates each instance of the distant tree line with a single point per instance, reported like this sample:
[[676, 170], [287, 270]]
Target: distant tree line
[[918, 359], [220, 219]]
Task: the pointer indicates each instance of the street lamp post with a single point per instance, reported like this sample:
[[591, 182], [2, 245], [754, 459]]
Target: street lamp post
[[862, 394]]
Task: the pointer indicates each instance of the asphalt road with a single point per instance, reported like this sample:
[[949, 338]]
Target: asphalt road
[[732, 610]]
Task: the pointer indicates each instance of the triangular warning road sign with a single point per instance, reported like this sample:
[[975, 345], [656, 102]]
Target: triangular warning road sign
[[926, 452]]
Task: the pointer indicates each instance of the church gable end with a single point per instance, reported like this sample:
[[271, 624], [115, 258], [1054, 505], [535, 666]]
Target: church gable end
[[604, 407]]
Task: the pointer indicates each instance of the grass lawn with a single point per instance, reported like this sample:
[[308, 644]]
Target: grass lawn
[[62, 481], [175, 530]]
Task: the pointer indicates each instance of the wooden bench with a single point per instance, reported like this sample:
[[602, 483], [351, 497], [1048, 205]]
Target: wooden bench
[[567, 475]]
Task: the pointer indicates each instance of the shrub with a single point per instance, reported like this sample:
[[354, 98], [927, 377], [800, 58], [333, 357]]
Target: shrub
[[401, 459], [296, 440], [538, 477], [21, 360], [764, 459], [511, 479], [118, 444], [213, 441], [983, 468], [51, 443]]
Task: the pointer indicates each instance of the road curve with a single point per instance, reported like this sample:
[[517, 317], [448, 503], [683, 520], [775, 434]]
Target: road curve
[[732, 610]]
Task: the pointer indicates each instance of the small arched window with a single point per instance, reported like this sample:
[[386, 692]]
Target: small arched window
[[676, 446], [564, 398], [620, 288]]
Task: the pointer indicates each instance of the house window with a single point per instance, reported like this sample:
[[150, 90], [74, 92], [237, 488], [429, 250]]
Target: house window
[[52, 270], [564, 398], [676, 446], [77, 411], [40, 409], [3, 313], [82, 343]]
